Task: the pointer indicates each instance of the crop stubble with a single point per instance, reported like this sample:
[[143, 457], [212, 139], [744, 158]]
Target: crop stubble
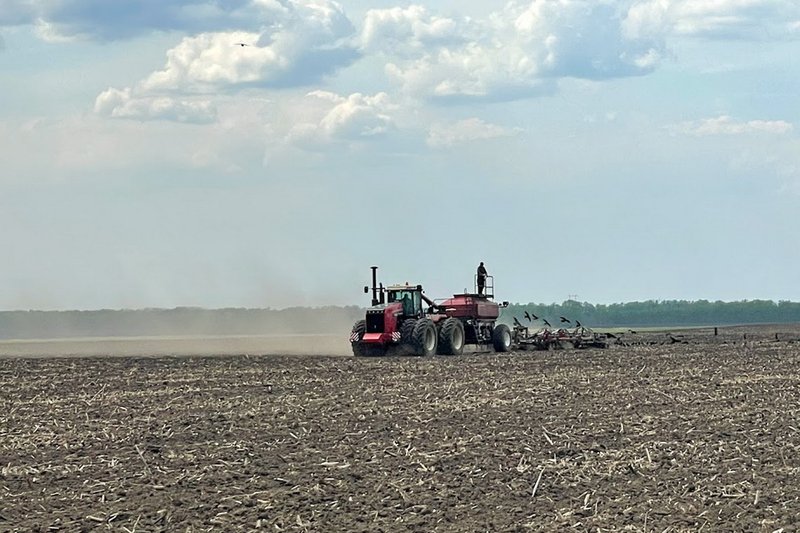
[[641, 438]]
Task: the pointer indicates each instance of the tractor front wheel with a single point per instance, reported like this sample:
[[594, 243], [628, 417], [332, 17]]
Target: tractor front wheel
[[451, 337], [359, 328], [407, 335], [424, 338]]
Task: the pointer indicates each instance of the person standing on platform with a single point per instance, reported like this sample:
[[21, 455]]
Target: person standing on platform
[[482, 275]]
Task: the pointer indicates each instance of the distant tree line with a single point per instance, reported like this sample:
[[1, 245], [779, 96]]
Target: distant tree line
[[338, 320], [662, 313]]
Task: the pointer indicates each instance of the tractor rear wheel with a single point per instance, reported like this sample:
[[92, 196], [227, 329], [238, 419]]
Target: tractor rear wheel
[[424, 337], [501, 338], [359, 328], [451, 337]]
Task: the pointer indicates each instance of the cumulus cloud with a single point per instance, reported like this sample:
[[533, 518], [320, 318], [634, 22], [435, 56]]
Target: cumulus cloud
[[308, 40], [463, 131], [408, 30], [117, 103], [337, 119], [723, 19], [311, 43], [204, 62], [725, 125], [517, 52], [523, 49]]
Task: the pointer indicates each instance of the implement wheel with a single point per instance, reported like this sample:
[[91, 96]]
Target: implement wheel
[[451, 337], [501, 338], [424, 338]]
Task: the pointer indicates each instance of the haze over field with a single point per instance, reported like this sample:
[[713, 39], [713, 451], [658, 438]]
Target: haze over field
[[616, 151]]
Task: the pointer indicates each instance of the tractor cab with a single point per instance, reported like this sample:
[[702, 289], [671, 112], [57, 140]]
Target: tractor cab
[[409, 296]]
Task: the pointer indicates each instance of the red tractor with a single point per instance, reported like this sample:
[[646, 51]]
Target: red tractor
[[398, 322]]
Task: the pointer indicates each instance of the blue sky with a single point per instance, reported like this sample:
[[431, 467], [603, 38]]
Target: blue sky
[[616, 151]]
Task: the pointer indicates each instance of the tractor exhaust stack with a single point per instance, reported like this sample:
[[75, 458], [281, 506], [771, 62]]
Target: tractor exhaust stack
[[375, 286]]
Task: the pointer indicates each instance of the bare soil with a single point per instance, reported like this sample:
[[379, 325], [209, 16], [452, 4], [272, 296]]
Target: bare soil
[[657, 435]]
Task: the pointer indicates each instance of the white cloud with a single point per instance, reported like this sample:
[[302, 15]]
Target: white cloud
[[310, 42], [407, 30], [209, 60], [727, 19], [334, 119], [517, 52], [117, 103], [609, 116], [464, 131], [307, 40], [49, 33], [523, 49], [472, 72], [725, 125]]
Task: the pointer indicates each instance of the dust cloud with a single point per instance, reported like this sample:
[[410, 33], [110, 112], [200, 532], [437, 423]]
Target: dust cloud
[[180, 332], [179, 346]]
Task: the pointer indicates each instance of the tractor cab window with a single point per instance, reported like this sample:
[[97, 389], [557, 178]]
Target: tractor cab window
[[411, 301]]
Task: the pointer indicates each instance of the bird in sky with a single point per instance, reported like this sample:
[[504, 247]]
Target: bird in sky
[[516, 322], [578, 324], [528, 316], [546, 323], [240, 44], [563, 319]]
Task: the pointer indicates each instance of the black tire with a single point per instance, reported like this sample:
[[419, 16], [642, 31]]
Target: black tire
[[407, 330], [424, 338], [501, 338], [359, 328], [451, 337], [407, 336]]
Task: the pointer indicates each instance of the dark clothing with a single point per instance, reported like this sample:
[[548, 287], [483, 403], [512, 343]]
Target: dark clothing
[[481, 278]]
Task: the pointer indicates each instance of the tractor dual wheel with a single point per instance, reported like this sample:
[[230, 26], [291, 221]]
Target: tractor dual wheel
[[501, 338], [407, 330], [424, 338], [407, 336], [451, 337]]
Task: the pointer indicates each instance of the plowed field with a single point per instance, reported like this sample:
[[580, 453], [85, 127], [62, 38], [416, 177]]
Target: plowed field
[[702, 434]]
